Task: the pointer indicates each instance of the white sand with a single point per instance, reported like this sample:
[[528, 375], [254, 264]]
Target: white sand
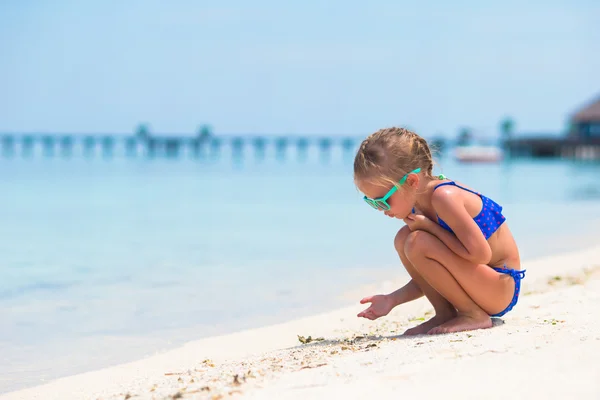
[[548, 347]]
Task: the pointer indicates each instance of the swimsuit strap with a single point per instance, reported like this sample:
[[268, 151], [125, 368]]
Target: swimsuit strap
[[454, 184], [516, 274]]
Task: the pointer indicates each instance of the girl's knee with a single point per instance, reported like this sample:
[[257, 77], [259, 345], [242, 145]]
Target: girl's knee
[[400, 239], [416, 244]]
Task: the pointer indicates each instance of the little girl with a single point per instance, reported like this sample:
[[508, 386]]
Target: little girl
[[456, 245]]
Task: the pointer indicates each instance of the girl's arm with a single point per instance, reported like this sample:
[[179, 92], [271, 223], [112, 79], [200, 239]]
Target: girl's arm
[[467, 241], [409, 292]]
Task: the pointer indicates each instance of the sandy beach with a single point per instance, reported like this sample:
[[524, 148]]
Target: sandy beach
[[547, 347]]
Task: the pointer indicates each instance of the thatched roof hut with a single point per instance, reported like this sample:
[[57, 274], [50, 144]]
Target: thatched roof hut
[[585, 122]]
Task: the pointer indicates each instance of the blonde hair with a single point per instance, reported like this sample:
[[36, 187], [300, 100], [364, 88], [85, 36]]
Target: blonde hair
[[385, 156]]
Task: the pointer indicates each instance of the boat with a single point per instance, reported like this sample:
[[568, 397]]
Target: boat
[[484, 154]]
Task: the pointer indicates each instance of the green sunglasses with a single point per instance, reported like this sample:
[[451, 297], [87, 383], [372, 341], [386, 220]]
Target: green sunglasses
[[381, 203]]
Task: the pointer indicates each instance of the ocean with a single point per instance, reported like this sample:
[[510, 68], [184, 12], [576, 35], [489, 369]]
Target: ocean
[[107, 260]]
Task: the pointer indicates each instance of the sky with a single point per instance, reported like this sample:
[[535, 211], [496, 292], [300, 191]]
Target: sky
[[309, 67]]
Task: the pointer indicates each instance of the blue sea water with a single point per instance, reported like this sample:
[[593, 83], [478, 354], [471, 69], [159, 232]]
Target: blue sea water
[[109, 260]]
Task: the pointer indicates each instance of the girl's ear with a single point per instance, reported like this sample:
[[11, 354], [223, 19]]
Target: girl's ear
[[413, 181]]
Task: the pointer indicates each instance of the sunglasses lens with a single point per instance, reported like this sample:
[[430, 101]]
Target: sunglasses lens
[[377, 204], [372, 203], [382, 205]]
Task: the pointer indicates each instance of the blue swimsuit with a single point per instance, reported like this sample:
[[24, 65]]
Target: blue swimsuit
[[489, 220]]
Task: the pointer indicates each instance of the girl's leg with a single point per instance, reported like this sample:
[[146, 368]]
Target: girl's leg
[[476, 290], [444, 310]]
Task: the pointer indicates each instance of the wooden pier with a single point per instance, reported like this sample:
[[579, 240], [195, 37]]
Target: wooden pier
[[167, 146], [177, 146], [549, 147]]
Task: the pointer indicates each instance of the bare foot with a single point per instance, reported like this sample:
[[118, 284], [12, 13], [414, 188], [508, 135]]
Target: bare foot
[[426, 326], [463, 322]]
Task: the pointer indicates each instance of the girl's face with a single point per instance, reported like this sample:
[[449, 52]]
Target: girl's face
[[400, 202]]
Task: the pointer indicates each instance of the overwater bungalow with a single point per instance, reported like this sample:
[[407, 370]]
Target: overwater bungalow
[[581, 141]]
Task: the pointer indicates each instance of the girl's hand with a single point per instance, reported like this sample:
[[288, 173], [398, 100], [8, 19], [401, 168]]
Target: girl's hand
[[381, 304], [416, 222]]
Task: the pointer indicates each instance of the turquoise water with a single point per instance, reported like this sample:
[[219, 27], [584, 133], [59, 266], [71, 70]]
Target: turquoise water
[[109, 260]]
